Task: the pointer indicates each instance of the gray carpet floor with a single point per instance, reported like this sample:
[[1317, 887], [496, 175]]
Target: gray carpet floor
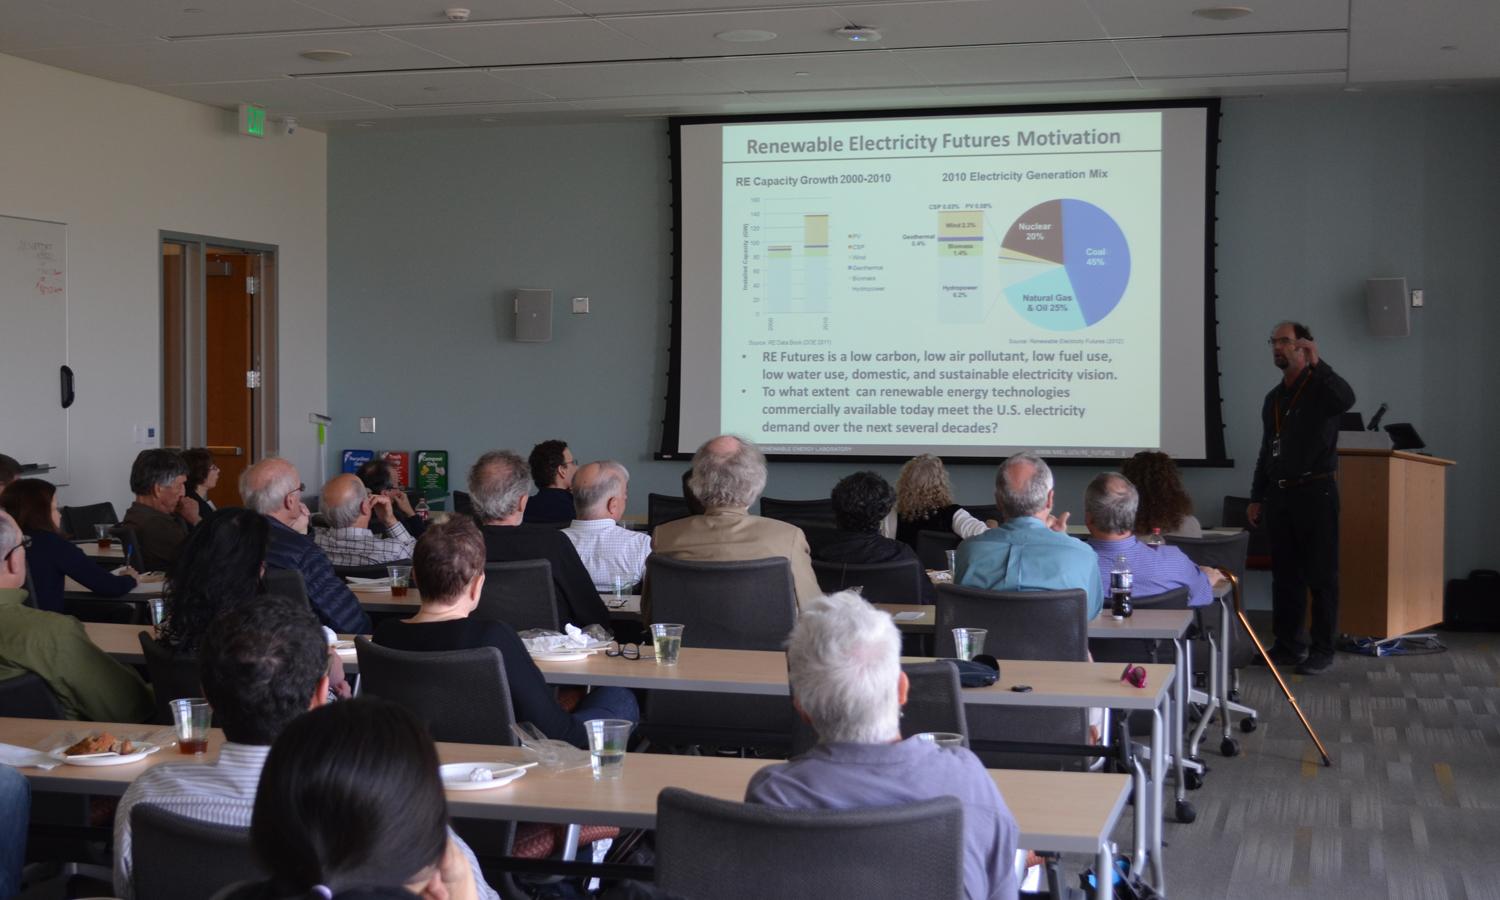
[[1410, 809]]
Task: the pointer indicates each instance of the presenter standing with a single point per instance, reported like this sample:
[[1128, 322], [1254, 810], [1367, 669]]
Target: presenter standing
[[1296, 490]]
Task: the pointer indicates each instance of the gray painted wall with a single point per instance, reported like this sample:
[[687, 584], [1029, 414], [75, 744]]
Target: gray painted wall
[[429, 231]]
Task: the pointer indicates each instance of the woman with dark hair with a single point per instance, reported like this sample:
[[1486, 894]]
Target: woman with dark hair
[[350, 805], [220, 567], [203, 476], [51, 557], [1165, 503], [861, 503]]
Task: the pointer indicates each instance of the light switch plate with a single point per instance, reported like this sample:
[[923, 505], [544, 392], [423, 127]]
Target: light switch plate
[[366, 424], [580, 305], [1417, 299]]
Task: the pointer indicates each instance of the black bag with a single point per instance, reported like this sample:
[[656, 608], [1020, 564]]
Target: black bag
[[976, 674], [1473, 603]]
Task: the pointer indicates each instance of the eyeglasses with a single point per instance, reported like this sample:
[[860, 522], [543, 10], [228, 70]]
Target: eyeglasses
[[1281, 341], [300, 489], [627, 651], [26, 543]]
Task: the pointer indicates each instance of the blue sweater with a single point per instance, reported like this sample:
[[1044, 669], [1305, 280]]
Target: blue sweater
[[332, 601], [51, 558]]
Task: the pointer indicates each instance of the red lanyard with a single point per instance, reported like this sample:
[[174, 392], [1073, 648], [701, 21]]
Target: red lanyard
[[1305, 379]]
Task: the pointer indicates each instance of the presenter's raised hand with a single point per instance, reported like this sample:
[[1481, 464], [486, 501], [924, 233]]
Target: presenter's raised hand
[[1309, 349]]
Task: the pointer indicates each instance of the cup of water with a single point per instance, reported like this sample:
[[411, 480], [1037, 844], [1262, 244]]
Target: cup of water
[[952, 563], [945, 740], [607, 739], [668, 643], [158, 612], [968, 642], [623, 586]]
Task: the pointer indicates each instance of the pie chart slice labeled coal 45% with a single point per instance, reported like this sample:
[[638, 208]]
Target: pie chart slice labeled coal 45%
[[1077, 260]]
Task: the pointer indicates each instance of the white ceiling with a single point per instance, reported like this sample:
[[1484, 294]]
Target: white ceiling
[[599, 59]]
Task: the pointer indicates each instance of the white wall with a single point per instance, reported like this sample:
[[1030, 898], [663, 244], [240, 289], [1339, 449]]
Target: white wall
[[119, 165]]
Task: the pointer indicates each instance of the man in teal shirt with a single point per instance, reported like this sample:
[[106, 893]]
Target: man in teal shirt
[[1031, 551]]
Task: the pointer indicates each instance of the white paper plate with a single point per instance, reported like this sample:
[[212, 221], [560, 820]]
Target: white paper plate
[[370, 588], [456, 775], [561, 655], [104, 759]]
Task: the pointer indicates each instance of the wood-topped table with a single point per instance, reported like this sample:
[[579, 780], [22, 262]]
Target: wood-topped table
[[91, 547], [1061, 812], [122, 641]]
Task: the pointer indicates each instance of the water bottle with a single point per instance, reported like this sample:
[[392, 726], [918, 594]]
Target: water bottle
[[1120, 583], [1154, 539], [422, 509]]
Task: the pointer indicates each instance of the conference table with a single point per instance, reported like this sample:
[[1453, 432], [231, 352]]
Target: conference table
[[1057, 812]]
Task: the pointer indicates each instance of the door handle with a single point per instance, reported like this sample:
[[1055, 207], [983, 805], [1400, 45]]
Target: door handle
[[66, 375], [225, 451]]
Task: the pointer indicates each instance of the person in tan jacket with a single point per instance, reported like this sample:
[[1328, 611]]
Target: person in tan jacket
[[728, 475]]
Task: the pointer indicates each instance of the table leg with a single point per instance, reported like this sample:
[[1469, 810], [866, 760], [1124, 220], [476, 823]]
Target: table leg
[[1158, 793], [1104, 873], [1179, 714], [1139, 790]]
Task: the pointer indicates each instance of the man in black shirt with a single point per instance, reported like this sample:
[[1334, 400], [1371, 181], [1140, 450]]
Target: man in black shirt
[[1295, 488]]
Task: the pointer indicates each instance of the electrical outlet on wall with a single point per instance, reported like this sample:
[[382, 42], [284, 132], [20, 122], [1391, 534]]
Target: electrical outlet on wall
[[580, 305], [366, 424]]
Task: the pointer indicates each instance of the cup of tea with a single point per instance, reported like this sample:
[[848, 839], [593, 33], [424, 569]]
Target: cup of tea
[[101, 531], [190, 719], [400, 580]]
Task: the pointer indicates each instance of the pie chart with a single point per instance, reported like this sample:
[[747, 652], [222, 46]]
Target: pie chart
[[1070, 264]]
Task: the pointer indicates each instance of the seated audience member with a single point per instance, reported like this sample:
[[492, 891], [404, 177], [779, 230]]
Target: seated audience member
[[377, 476], [271, 487], [10, 470], [552, 467], [1109, 511], [203, 476], [449, 568], [924, 502], [161, 514], [694, 505], [15, 815], [844, 664], [350, 507], [728, 475], [1031, 550], [350, 805], [860, 503], [219, 569], [88, 684], [1165, 503], [608, 550], [497, 487], [263, 664], [51, 557]]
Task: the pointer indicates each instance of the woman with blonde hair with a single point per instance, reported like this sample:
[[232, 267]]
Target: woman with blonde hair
[[924, 502], [1165, 503]]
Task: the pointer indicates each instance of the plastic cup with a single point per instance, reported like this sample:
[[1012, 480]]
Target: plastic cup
[[607, 739], [158, 612], [622, 585], [944, 739], [400, 580], [952, 562], [968, 642], [190, 718], [668, 643], [101, 532]]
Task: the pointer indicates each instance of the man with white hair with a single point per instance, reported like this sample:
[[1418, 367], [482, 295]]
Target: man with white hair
[[608, 551], [1031, 551], [728, 475], [349, 507], [1109, 507], [844, 666], [271, 487], [498, 487]]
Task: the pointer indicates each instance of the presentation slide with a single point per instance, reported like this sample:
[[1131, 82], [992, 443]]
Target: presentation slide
[[967, 285]]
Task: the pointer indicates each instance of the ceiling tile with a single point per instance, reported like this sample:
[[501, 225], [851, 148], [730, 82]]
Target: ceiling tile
[[160, 18], [615, 7], [1404, 41], [407, 12], [281, 96], [1221, 84], [960, 22], [1026, 62], [527, 43], [812, 71], [797, 30], [35, 26], [636, 79], [1156, 18], [428, 88], [1042, 92], [1234, 54]]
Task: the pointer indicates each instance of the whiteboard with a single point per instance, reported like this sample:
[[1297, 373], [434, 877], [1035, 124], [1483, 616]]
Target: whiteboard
[[34, 343]]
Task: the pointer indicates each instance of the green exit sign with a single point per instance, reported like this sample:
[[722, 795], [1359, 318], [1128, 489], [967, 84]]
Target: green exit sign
[[252, 120]]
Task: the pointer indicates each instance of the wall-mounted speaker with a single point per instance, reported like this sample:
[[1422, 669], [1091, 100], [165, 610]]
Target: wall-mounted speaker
[[1386, 308], [533, 315]]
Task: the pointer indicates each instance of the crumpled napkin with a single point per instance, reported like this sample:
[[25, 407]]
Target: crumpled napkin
[[11, 755], [541, 640]]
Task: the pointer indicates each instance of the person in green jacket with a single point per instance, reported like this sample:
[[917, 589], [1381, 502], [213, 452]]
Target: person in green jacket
[[88, 684]]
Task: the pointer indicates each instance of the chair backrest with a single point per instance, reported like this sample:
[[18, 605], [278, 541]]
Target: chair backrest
[[809, 515], [934, 702], [461, 695], [661, 508], [984, 512], [520, 594], [286, 583], [898, 581], [463, 504], [371, 571], [1235, 514], [126, 536], [177, 858], [1221, 551], [933, 546], [741, 605], [172, 675], [1021, 624], [817, 854], [79, 521], [27, 696], [1176, 598]]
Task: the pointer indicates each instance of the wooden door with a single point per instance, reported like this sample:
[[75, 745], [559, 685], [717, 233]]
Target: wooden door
[[229, 355]]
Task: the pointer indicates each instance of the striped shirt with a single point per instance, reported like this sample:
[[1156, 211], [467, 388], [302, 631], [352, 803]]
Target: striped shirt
[[360, 546], [221, 793], [1154, 571], [608, 550]]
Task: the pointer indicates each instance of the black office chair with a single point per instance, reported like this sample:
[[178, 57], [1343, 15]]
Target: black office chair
[[1219, 551], [1039, 625], [984, 512], [933, 547], [662, 508], [934, 702], [910, 850], [1142, 650], [812, 516], [461, 695], [746, 605], [520, 594], [126, 536], [172, 676], [898, 581], [1235, 514], [463, 504], [27, 696], [79, 521], [177, 858], [285, 583]]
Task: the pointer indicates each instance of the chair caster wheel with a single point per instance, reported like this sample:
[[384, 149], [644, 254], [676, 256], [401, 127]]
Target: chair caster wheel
[[1234, 695], [1192, 781], [1247, 724], [1185, 812], [1230, 747]]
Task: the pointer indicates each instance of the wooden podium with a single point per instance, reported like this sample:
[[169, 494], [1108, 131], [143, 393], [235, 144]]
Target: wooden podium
[[1390, 542]]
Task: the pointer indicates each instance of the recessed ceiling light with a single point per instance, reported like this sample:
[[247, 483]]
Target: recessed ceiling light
[[857, 33], [1222, 13], [326, 56], [191, 10], [1449, 47], [431, 87], [491, 119], [801, 74], [1353, 89], [746, 36], [364, 124]]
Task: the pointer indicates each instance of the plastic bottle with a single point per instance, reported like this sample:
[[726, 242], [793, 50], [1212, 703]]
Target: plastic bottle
[[1120, 584], [1154, 539], [422, 509]]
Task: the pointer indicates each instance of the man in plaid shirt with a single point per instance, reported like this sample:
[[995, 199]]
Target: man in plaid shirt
[[348, 541]]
